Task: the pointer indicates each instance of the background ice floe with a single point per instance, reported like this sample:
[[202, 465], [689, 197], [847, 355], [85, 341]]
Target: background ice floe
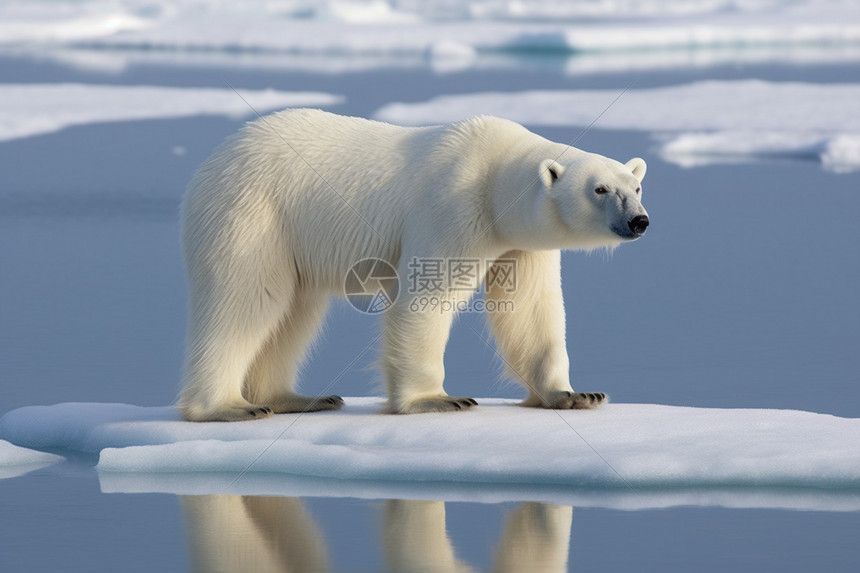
[[697, 123], [109, 34], [499, 446], [15, 460], [34, 109]]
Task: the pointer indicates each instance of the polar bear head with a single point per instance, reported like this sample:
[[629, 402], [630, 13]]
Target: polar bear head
[[597, 200]]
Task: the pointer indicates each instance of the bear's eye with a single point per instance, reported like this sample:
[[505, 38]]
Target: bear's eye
[[638, 190], [601, 190]]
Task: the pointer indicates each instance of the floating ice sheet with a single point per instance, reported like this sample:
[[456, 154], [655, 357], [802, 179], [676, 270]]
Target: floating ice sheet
[[170, 32], [15, 460], [696, 123], [629, 499], [379, 26], [33, 109], [639, 446]]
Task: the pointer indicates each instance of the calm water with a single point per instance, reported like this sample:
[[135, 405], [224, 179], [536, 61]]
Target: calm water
[[742, 294], [60, 521]]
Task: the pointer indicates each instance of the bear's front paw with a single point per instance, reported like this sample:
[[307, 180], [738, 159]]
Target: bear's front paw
[[575, 400], [439, 404]]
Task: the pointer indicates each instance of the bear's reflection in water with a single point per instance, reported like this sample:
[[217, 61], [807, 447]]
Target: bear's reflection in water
[[535, 538], [247, 534], [251, 533]]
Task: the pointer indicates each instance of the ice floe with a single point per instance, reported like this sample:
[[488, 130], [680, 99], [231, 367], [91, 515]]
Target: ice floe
[[15, 460], [34, 109], [169, 32], [696, 123], [617, 446]]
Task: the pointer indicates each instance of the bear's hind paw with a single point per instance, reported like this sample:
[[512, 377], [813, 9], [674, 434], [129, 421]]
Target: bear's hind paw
[[576, 400], [439, 404], [235, 414], [293, 403]]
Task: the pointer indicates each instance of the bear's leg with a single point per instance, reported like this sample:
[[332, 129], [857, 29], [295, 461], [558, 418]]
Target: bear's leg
[[527, 322], [272, 378], [235, 308], [214, 376], [412, 359]]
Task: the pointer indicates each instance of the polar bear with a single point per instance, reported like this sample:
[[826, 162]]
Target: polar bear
[[274, 220]]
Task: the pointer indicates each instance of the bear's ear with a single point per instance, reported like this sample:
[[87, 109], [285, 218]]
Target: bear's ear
[[638, 167], [549, 171]]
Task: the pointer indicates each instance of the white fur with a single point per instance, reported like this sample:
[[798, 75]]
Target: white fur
[[274, 220]]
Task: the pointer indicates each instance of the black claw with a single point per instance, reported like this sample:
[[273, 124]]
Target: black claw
[[473, 402], [253, 413], [457, 405]]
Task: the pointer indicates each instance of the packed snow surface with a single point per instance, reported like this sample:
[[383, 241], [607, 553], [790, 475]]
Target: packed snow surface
[[695, 123], [617, 446], [34, 109]]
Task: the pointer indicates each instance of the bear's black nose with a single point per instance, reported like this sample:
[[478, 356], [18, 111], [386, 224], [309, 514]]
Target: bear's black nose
[[638, 224]]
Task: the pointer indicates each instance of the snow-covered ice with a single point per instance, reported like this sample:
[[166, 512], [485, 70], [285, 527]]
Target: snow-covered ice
[[34, 109], [170, 31], [695, 123], [375, 25], [15, 460], [499, 448], [278, 484]]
